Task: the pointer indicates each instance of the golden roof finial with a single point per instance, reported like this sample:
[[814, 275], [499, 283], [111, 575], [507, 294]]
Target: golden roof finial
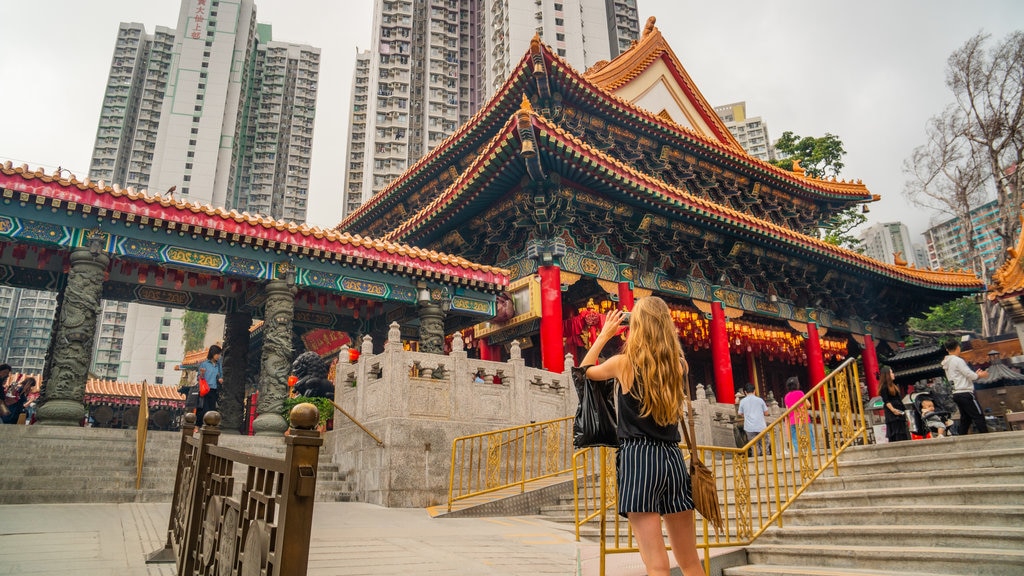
[[648, 27], [797, 168], [525, 106]]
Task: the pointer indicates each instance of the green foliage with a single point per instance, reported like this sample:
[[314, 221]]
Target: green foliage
[[324, 405], [837, 232], [960, 314], [820, 157], [194, 328]]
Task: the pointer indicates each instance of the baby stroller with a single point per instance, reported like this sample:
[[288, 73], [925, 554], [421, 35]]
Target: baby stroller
[[926, 422]]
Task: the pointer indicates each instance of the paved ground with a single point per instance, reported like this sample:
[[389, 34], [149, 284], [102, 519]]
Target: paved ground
[[348, 539]]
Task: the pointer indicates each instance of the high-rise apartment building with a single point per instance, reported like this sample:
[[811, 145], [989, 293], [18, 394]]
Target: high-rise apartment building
[[433, 63], [218, 111], [883, 241], [214, 108], [26, 321], [751, 133], [947, 241]]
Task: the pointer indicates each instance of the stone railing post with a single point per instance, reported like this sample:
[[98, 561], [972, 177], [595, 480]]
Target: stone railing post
[[702, 418], [570, 397]]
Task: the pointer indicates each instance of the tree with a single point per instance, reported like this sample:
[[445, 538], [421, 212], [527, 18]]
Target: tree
[[822, 158], [975, 147], [955, 317], [194, 330], [989, 89]]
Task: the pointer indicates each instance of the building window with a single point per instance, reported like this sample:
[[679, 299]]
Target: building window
[[159, 379], [162, 351], [160, 365], [166, 321], [165, 336]]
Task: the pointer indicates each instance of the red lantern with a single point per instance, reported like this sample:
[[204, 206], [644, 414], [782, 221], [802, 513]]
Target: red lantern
[[292, 380], [353, 355]]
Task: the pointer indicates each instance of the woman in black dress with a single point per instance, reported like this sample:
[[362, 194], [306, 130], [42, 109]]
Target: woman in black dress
[[892, 399]]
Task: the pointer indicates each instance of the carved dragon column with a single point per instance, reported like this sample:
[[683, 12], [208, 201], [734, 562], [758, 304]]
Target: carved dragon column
[[64, 390], [231, 403], [276, 360]]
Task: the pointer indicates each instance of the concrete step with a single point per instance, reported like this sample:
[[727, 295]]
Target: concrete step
[[965, 561], [997, 441], [937, 462], [950, 494], [764, 570], [882, 536], [909, 515], [925, 480]]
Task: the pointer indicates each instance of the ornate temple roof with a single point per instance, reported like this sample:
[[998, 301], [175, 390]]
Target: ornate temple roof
[[131, 206], [1008, 280], [565, 153], [652, 65], [614, 89]]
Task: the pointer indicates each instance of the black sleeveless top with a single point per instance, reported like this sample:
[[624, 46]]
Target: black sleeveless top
[[631, 425]]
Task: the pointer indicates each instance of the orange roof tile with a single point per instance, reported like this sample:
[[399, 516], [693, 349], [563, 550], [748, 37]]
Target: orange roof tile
[[128, 201], [1008, 280], [131, 389]]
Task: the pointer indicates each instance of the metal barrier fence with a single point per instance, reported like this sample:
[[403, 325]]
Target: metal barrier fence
[[755, 486], [501, 459], [256, 522]]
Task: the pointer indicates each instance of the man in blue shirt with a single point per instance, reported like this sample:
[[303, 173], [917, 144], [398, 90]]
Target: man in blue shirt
[[755, 415], [210, 370]]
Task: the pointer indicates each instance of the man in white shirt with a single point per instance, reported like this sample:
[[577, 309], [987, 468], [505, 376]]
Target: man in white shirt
[[963, 379], [755, 415]]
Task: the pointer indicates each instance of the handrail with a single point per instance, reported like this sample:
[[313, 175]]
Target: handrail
[[141, 428], [357, 423], [491, 461], [764, 485]]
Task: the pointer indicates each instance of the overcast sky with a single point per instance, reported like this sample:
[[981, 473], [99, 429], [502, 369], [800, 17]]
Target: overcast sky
[[870, 71]]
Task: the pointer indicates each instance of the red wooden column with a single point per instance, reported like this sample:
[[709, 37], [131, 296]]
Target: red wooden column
[[725, 391], [552, 344], [815, 361], [485, 350], [625, 295], [870, 366]]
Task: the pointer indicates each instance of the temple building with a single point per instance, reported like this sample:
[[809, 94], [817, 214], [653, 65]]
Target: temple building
[[595, 188]]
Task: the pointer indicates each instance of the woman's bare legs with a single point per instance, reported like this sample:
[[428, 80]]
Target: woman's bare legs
[[647, 529], [682, 535]]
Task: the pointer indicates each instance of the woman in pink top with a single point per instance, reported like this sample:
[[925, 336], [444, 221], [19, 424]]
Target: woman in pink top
[[798, 417]]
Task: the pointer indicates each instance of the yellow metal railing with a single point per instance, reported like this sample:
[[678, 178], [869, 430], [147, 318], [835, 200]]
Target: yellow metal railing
[[141, 428], [754, 489], [507, 458]]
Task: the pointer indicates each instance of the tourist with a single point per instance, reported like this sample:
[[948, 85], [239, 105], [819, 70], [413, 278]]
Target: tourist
[[755, 416], [798, 417], [963, 379], [15, 398], [652, 479], [210, 369], [892, 399]]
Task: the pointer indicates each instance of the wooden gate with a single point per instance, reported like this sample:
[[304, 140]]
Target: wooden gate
[[255, 521]]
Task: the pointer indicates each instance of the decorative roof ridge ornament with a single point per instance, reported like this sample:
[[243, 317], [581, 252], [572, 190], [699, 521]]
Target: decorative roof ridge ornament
[[528, 139], [540, 72], [649, 26]]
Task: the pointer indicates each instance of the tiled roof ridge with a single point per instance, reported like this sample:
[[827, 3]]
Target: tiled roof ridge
[[630, 64], [918, 273], [841, 187], [439, 148], [291, 228], [1008, 279], [104, 387], [485, 153]]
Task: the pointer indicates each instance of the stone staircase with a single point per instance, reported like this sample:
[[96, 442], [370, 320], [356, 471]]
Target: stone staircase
[[43, 464], [938, 507]]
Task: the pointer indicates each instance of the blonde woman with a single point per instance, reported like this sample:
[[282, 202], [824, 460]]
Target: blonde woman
[[652, 479]]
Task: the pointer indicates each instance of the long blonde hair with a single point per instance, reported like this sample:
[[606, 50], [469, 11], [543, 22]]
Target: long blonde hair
[[655, 355]]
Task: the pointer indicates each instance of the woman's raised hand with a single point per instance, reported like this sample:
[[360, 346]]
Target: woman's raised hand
[[612, 323]]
